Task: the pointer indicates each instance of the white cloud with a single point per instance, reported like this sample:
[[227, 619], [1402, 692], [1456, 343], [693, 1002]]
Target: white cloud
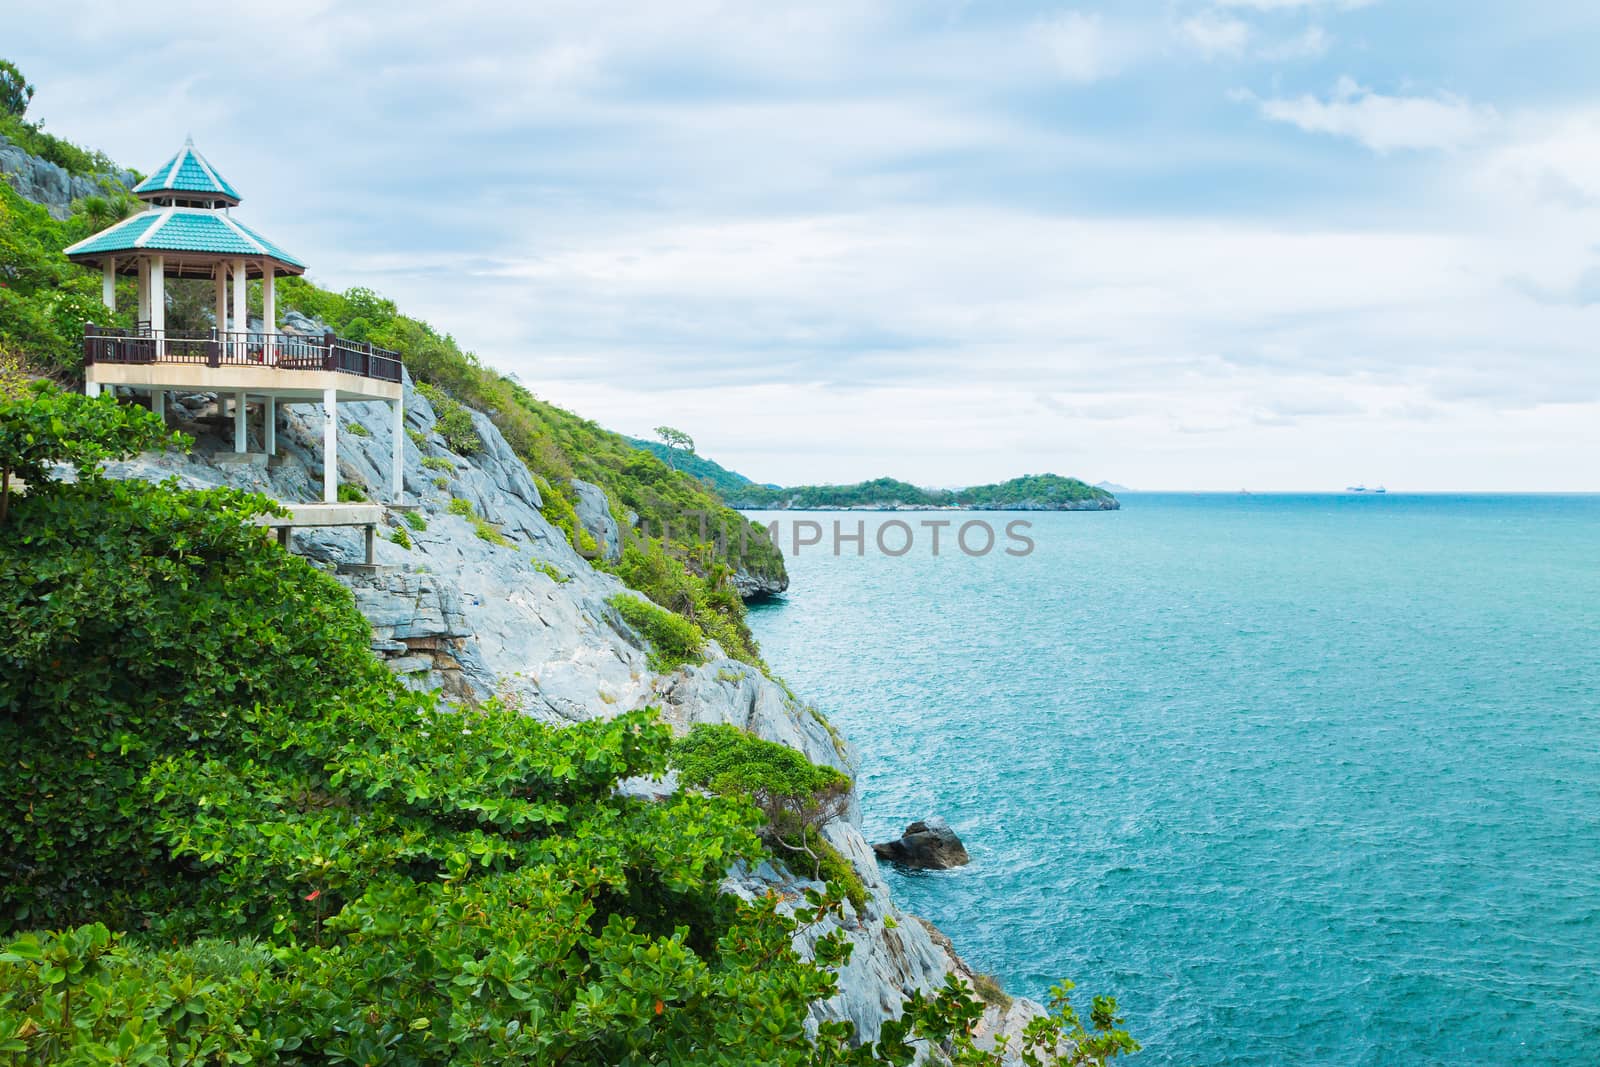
[[1310, 44], [1086, 47], [1384, 123], [1215, 35]]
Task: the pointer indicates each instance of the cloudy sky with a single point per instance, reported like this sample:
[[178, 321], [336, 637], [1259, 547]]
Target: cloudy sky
[[1190, 244]]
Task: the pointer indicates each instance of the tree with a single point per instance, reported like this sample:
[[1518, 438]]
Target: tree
[[42, 425], [15, 90], [676, 440]]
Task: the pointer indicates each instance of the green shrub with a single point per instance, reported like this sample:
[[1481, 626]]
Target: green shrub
[[356, 429], [400, 537], [454, 422], [551, 571], [488, 531], [462, 507], [351, 493], [797, 797], [438, 463], [415, 519], [441, 483], [674, 640], [418, 438]]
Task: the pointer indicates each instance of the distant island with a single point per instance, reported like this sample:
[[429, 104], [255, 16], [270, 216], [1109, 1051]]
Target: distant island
[[1031, 492]]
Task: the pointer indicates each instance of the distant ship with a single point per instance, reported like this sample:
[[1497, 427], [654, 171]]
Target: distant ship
[[1355, 489], [1380, 489]]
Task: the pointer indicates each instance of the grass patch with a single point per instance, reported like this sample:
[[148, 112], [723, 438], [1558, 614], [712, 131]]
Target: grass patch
[[350, 493], [989, 990], [464, 508], [356, 429], [400, 537], [551, 571], [674, 641], [415, 519], [438, 463], [488, 531]]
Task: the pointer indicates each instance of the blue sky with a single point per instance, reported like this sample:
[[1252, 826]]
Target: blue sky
[[1222, 244]]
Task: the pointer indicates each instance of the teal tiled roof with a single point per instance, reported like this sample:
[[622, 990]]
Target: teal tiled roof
[[177, 229], [186, 172]]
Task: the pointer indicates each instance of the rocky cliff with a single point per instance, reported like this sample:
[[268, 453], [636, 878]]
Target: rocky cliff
[[497, 603], [46, 183]]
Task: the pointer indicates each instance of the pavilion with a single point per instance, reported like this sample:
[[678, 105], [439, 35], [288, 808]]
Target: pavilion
[[187, 230]]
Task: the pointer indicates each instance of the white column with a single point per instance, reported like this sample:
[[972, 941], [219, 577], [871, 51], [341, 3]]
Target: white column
[[158, 403], [330, 446], [91, 388], [158, 303], [108, 284], [269, 426], [144, 289], [220, 273], [241, 313], [238, 422], [397, 481], [269, 312]]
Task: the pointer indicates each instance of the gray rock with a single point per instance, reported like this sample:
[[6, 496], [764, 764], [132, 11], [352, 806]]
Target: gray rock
[[927, 844], [50, 185], [594, 514]]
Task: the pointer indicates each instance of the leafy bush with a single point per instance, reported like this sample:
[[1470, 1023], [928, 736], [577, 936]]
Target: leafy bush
[[351, 493], [415, 519], [357, 429], [441, 483], [400, 537], [797, 797], [438, 463], [674, 640], [488, 531], [454, 422], [459, 506]]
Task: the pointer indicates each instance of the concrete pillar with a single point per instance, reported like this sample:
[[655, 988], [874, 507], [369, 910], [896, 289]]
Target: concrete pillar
[[269, 424], [269, 313], [158, 403], [238, 422], [91, 388], [144, 289], [108, 283], [220, 273], [330, 446], [241, 313], [397, 480], [158, 303]]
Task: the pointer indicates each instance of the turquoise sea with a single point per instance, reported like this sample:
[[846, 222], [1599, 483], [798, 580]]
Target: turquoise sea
[[1298, 779]]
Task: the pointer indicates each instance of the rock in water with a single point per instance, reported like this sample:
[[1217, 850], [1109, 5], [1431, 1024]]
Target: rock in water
[[928, 844]]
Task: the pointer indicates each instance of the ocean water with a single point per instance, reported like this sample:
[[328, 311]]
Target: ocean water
[[1298, 779]]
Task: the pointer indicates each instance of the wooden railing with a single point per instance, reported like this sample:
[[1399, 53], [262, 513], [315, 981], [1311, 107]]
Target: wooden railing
[[285, 351]]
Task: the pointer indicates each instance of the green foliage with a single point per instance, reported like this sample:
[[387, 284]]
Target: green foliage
[[356, 429], [1031, 491], [400, 537], [674, 640], [40, 425], [438, 463], [711, 605], [720, 480], [459, 506], [454, 421], [551, 571], [675, 439], [441, 483], [796, 797], [45, 300], [351, 493], [415, 519], [488, 531], [418, 438], [15, 90]]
